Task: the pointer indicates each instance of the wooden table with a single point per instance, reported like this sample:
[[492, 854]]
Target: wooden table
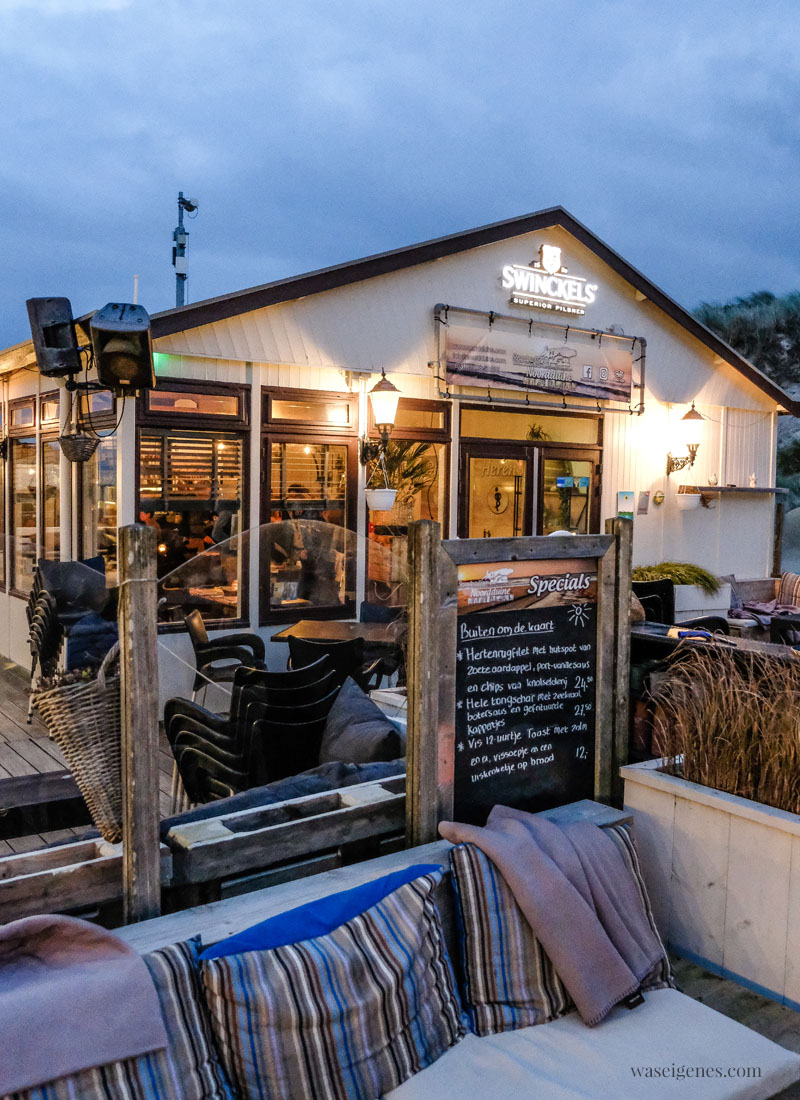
[[376, 635]]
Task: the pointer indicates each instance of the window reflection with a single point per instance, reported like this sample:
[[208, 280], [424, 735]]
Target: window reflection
[[99, 507], [309, 565], [23, 512], [417, 469], [191, 493]]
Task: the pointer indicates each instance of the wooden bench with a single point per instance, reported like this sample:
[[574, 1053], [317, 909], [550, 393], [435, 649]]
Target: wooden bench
[[562, 1057]]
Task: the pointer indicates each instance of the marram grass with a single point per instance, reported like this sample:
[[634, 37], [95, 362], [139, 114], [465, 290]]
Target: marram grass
[[679, 572], [734, 717]]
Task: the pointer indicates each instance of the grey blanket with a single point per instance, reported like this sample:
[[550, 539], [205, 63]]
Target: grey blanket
[[72, 996], [578, 896]]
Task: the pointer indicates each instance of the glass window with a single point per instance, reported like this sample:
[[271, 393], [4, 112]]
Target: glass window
[[533, 425], [22, 416], [23, 512], [49, 409], [418, 470], [99, 507], [100, 401], [191, 492], [310, 564], [2, 522], [312, 410], [192, 404], [51, 500]]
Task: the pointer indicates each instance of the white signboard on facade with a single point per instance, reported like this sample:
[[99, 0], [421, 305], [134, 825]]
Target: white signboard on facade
[[580, 365]]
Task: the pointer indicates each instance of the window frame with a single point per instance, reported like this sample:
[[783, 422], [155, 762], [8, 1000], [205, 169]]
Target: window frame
[[192, 424], [570, 414], [198, 421], [421, 435], [32, 434], [81, 484], [270, 394], [296, 431]]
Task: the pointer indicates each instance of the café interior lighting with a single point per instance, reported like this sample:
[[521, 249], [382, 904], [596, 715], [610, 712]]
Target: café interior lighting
[[691, 431]]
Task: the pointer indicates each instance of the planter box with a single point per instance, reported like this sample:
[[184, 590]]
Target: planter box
[[724, 878], [691, 601]]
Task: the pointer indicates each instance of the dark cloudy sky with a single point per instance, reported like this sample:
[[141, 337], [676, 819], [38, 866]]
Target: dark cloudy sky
[[314, 132]]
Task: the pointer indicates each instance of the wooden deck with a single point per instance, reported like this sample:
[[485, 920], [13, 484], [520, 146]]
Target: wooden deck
[[28, 750]]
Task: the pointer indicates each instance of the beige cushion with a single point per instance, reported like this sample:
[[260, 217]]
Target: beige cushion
[[789, 590], [565, 1060]]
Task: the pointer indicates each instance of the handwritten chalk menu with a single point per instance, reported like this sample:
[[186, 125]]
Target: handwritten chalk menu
[[525, 685]]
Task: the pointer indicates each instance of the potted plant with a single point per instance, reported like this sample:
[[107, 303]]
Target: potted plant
[[410, 468], [697, 591], [717, 818]]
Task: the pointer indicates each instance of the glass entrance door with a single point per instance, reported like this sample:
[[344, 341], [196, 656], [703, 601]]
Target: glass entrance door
[[497, 492], [509, 490], [566, 494]]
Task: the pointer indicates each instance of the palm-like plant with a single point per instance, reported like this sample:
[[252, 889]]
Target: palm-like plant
[[410, 468]]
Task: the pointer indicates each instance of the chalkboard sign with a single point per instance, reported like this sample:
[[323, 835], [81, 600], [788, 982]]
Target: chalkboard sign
[[525, 681]]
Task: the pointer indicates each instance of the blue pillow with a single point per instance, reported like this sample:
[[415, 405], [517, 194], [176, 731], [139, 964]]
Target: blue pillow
[[316, 918]]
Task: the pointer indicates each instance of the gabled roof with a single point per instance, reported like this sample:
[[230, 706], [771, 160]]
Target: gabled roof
[[329, 278]]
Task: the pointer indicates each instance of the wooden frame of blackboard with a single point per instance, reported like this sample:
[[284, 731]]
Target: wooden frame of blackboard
[[431, 659]]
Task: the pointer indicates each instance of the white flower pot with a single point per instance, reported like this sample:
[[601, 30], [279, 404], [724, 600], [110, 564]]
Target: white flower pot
[[723, 874], [380, 500], [687, 502]]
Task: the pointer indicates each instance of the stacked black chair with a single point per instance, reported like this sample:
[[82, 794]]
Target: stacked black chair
[[218, 659], [658, 600], [273, 729], [45, 634], [346, 658]]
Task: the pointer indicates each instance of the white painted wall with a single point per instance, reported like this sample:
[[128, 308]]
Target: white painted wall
[[388, 322]]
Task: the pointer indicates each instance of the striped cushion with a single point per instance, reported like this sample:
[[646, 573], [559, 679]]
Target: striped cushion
[[188, 1069], [789, 590], [351, 1014], [509, 980]]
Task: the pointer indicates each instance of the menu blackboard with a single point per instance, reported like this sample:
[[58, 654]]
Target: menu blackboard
[[526, 654]]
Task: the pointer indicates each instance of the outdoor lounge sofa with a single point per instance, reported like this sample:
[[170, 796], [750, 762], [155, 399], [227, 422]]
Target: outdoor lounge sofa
[[670, 1046]]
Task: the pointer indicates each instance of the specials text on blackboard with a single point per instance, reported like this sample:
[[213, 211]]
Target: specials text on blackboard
[[525, 685]]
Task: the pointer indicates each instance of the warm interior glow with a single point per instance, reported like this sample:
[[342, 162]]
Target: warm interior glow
[[384, 397]]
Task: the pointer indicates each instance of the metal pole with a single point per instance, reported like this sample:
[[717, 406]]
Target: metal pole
[[179, 253]]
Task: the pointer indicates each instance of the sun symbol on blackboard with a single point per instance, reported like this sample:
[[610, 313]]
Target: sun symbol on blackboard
[[579, 614]]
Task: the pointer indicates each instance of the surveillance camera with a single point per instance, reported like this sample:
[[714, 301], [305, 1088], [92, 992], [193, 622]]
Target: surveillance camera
[[190, 204]]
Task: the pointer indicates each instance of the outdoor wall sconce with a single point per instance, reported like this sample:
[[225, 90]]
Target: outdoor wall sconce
[[692, 433], [384, 398]]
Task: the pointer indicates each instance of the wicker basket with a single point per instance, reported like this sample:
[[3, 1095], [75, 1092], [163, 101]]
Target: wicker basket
[[78, 447], [84, 721]]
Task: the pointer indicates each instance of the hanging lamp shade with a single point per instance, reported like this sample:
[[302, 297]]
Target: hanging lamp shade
[[384, 398]]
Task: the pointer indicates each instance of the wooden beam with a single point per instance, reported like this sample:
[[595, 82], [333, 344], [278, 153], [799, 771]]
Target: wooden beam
[[622, 530], [422, 765], [138, 639]]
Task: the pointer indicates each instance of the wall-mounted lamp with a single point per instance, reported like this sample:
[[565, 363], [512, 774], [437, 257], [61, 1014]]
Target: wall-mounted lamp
[[384, 398], [691, 426]]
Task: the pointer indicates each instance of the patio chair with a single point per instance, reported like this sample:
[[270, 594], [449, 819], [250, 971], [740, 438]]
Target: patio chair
[[346, 658], [658, 600], [231, 649]]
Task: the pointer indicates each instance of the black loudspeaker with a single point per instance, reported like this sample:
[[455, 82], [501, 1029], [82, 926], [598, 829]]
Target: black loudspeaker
[[121, 343], [53, 333]]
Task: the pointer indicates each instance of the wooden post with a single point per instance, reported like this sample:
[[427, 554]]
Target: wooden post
[[777, 538], [424, 542], [138, 639], [622, 530], [605, 674]]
